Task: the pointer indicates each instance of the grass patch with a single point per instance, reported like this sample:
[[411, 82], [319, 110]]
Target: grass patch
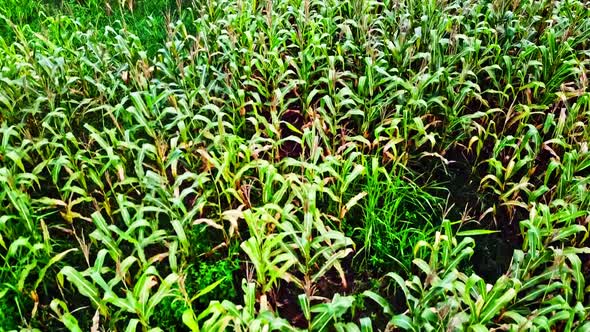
[[396, 214]]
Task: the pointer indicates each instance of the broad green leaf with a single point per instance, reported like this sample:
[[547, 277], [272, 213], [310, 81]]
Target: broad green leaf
[[403, 322], [493, 307], [84, 287]]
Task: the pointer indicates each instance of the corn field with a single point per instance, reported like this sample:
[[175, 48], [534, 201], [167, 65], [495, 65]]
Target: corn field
[[294, 165]]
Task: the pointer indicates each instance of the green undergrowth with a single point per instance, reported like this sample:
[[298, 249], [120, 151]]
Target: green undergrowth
[[149, 20], [396, 214]]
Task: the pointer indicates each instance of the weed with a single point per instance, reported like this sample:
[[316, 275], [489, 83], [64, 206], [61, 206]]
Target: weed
[[397, 214]]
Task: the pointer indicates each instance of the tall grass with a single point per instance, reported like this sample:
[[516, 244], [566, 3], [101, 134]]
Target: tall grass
[[396, 215]]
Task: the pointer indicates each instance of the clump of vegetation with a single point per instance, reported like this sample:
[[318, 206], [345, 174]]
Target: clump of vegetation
[[294, 165], [396, 215], [198, 277]]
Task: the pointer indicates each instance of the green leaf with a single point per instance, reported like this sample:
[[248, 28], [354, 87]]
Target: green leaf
[[366, 325], [132, 325], [380, 300], [305, 306], [475, 232], [478, 328], [52, 261], [327, 312], [84, 287], [70, 322], [564, 233], [188, 318], [163, 291], [403, 322], [179, 230], [208, 289], [492, 308]]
